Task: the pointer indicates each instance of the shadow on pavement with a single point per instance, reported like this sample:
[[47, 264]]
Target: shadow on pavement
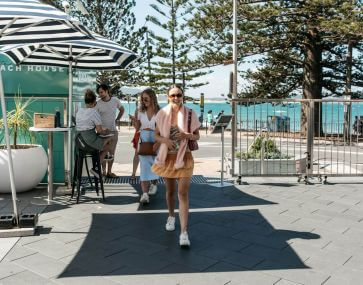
[[222, 241], [206, 196]]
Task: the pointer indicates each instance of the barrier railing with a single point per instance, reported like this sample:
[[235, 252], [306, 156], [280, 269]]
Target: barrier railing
[[299, 137]]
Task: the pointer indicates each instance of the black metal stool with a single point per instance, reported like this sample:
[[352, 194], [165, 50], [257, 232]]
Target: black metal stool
[[81, 152]]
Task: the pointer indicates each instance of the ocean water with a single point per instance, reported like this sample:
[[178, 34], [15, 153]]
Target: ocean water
[[257, 115], [215, 107]]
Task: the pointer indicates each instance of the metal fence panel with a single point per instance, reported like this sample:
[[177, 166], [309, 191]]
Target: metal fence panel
[[299, 137]]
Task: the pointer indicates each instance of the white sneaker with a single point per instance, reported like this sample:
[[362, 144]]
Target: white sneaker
[[153, 189], [184, 239], [170, 224], [144, 198]]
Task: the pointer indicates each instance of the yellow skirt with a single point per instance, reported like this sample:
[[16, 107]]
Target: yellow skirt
[[168, 170]]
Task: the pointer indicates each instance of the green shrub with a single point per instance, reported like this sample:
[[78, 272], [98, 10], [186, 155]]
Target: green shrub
[[271, 150], [19, 121]]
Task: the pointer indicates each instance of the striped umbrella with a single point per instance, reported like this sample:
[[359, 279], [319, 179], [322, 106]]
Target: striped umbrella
[[101, 54], [29, 21], [98, 54]]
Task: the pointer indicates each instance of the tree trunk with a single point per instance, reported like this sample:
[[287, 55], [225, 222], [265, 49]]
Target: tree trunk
[[173, 15], [348, 94], [312, 83]]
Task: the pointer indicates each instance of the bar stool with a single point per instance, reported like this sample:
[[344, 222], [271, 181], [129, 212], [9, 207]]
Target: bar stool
[[81, 152]]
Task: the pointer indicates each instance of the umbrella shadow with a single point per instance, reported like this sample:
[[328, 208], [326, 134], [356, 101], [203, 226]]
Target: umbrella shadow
[[205, 196], [222, 241]]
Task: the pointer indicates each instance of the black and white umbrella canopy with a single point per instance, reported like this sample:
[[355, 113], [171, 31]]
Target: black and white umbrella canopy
[[29, 21], [100, 54], [97, 54]]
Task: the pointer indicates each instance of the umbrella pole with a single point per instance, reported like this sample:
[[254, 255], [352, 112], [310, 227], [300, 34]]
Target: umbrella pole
[[70, 105], [10, 158]]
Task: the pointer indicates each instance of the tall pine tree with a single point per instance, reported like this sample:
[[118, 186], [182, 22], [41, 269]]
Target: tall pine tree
[[114, 20], [301, 44], [173, 62]]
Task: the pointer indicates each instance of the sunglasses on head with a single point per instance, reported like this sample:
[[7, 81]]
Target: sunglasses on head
[[179, 95]]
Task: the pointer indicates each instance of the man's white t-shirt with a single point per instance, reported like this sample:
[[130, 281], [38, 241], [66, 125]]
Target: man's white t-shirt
[[107, 111], [87, 119]]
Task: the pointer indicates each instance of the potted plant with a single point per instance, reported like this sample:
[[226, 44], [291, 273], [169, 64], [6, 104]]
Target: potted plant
[[264, 157], [29, 160]]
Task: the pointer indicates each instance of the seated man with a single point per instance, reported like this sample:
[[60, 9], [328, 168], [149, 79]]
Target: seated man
[[89, 126]]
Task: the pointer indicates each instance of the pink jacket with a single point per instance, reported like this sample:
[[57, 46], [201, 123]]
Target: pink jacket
[[163, 122]]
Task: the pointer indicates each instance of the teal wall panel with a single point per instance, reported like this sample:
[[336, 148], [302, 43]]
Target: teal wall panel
[[49, 87]]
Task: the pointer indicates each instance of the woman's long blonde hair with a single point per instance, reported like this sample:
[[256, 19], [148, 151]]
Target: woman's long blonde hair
[[154, 100]]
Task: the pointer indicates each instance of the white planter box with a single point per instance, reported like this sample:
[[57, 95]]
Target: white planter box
[[271, 166], [30, 166]]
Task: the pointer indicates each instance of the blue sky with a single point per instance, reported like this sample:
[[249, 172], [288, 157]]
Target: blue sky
[[218, 80]]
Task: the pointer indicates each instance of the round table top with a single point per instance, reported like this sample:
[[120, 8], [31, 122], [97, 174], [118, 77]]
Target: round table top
[[34, 129]]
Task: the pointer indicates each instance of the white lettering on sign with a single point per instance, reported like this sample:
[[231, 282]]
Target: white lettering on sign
[[31, 68]]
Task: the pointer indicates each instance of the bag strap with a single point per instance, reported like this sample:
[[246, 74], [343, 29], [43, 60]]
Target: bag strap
[[189, 120]]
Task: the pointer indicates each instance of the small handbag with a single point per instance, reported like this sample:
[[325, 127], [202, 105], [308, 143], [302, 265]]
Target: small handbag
[[146, 148], [192, 144]]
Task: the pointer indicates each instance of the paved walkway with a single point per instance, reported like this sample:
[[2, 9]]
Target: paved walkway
[[266, 232]]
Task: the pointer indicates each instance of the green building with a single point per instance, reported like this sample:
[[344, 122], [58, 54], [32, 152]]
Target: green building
[[49, 87]]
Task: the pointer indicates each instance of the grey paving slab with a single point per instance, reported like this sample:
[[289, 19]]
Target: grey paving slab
[[42, 265], [6, 244], [173, 279], [224, 267], [19, 252], [272, 242], [52, 248], [256, 229], [355, 262], [67, 224], [31, 239], [339, 245], [345, 276], [241, 259], [306, 276], [79, 277], [285, 282], [133, 265], [214, 230], [176, 269], [26, 277], [7, 269], [186, 257], [64, 236], [142, 246], [251, 278], [261, 251], [323, 264], [215, 253]]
